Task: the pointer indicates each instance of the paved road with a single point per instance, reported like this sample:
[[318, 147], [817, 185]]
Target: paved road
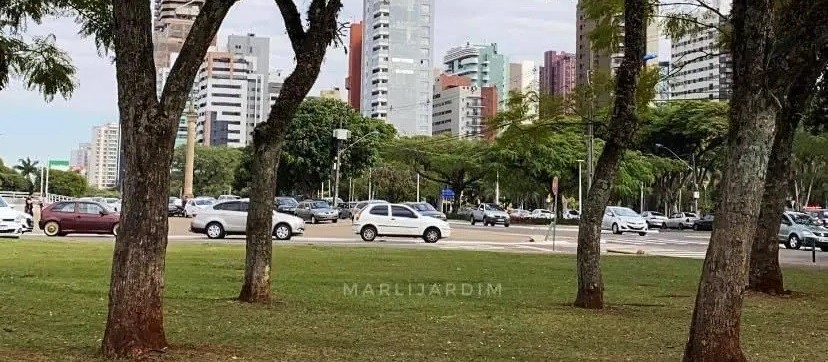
[[516, 238]]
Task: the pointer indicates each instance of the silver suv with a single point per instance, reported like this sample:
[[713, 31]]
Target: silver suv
[[799, 229]]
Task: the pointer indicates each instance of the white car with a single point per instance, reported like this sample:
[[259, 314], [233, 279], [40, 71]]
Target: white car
[[113, 203], [542, 214], [681, 221], [12, 222], [398, 220], [230, 218], [194, 206], [654, 219], [623, 219]]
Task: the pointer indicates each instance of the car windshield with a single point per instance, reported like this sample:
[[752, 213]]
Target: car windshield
[[286, 202], [690, 214], [320, 205], [204, 202], [3, 203], [656, 213], [423, 207], [623, 211], [803, 219], [493, 207]]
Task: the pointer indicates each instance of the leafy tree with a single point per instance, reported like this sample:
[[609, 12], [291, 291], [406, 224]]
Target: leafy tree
[[308, 154], [309, 46], [810, 165], [67, 183], [11, 180], [213, 168], [446, 160], [28, 169], [149, 123], [394, 182]]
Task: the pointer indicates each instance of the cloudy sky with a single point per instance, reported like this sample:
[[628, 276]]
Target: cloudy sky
[[29, 127]]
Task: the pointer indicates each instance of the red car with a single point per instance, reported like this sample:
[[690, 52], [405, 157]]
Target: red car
[[81, 217]]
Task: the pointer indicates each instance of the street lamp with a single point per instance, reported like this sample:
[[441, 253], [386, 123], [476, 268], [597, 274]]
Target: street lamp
[[693, 169], [342, 134]]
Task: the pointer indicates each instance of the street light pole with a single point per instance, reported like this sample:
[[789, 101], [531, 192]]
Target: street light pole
[[590, 132], [693, 170], [341, 135], [580, 188]]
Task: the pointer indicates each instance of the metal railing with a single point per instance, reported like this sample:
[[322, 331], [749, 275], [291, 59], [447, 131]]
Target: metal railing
[[17, 197]]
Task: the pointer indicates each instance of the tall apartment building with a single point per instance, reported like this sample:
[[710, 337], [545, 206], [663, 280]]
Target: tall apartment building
[[699, 71], [460, 108], [353, 83], [483, 65], [104, 156], [557, 75], [79, 157], [524, 77], [397, 82], [231, 99], [589, 60]]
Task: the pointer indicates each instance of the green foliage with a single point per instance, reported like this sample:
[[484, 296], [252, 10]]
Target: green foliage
[[67, 183], [29, 170], [308, 153], [816, 114], [394, 182], [688, 127], [213, 171], [11, 180]]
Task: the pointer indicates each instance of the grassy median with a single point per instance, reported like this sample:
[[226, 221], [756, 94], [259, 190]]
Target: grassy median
[[386, 304]]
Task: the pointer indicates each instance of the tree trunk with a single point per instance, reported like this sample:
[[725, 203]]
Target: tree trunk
[[623, 127], [259, 250], [715, 326]]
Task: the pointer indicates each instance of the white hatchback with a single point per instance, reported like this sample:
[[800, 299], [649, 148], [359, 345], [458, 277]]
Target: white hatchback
[[623, 219], [398, 220], [230, 218]]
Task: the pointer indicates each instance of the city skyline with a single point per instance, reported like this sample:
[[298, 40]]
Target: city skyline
[[28, 120]]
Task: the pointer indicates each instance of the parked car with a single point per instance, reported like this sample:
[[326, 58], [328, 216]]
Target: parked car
[[704, 224], [346, 210], [572, 215], [542, 214], [113, 203], [316, 211], [681, 220], [821, 216], [80, 217], [623, 219], [798, 229], [176, 201], [398, 220], [654, 219], [175, 209], [12, 222], [197, 204], [228, 197], [286, 205], [426, 209], [490, 214], [230, 218], [519, 214]]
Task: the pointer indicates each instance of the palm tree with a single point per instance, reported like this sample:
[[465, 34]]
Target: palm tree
[[28, 169]]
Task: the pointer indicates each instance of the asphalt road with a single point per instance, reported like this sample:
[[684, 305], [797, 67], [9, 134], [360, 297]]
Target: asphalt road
[[516, 238]]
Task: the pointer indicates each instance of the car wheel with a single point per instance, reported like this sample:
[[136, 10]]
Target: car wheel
[[52, 228], [313, 220], [368, 233], [214, 230], [115, 229], [615, 229], [473, 221], [696, 227], [335, 220], [506, 225], [282, 231], [642, 234], [793, 242], [431, 235]]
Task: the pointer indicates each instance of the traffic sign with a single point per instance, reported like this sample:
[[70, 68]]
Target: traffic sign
[[555, 185], [448, 193]]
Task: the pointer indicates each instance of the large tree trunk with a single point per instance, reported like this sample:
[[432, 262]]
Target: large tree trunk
[[714, 330], [765, 275], [268, 137], [623, 126], [134, 325], [259, 251]]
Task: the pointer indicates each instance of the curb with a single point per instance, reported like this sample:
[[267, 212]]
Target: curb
[[627, 252]]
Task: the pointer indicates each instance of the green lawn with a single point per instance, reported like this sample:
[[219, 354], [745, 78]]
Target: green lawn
[[53, 298]]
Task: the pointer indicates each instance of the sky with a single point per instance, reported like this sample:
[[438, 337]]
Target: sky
[[30, 127]]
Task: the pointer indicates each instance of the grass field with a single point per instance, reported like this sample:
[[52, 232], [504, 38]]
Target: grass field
[[53, 298]]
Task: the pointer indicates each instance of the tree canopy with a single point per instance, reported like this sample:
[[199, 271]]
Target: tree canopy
[[213, 172]]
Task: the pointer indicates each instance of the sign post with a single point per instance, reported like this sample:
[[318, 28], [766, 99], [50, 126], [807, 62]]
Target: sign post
[[448, 195]]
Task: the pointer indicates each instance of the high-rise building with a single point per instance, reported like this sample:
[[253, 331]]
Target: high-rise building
[[231, 99], [459, 108], [698, 70], [397, 82], [79, 158], [333, 93], [588, 59], [524, 76], [353, 83], [558, 73], [173, 21], [104, 156], [483, 65]]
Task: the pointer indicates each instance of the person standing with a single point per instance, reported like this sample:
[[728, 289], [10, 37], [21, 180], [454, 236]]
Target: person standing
[[29, 208]]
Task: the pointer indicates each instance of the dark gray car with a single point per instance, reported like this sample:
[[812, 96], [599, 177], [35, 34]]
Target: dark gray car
[[286, 205], [426, 209], [316, 211]]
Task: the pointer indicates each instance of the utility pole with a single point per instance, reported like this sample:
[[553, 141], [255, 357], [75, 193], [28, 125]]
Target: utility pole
[[418, 187], [189, 156], [590, 132], [580, 189], [695, 186]]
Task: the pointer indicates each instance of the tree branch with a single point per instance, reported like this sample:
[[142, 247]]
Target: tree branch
[[293, 23], [180, 81]]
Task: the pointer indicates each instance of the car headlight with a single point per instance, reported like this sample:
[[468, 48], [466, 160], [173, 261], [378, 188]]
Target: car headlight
[[20, 219], [807, 233]]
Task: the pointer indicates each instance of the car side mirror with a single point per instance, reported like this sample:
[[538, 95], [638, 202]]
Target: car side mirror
[[103, 212]]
